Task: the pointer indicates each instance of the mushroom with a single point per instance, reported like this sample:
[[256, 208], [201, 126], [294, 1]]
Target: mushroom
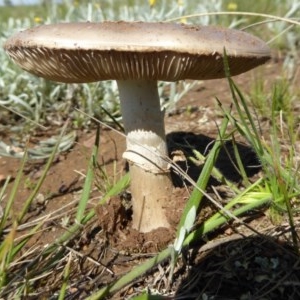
[[137, 55]]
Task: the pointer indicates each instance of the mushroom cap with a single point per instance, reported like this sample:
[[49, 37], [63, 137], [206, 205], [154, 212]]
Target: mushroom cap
[[87, 52]]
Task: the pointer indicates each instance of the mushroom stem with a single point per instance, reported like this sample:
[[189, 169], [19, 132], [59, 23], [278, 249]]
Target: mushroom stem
[[146, 153]]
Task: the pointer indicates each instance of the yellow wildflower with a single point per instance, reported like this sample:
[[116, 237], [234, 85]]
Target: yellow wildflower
[[180, 4], [232, 6], [38, 20], [152, 2], [183, 20]]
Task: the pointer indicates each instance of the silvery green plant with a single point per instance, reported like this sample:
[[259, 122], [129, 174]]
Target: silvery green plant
[[284, 33]]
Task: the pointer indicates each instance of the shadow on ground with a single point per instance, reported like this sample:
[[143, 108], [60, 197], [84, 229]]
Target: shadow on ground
[[182, 144], [242, 268]]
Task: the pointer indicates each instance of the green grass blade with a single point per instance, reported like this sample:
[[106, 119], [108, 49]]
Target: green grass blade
[[42, 178], [4, 187], [88, 180], [197, 194], [20, 245], [65, 279], [146, 296], [215, 172], [6, 249], [129, 277], [240, 165], [212, 224], [8, 207]]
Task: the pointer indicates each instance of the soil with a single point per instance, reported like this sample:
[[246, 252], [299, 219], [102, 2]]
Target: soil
[[231, 263]]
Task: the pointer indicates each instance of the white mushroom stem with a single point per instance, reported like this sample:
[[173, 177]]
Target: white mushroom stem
[[146, 153]]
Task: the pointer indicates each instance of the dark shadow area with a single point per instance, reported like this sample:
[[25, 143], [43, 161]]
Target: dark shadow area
[[182, 144], [237, 268]]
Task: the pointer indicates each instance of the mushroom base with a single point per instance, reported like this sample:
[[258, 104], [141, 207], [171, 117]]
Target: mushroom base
[[148, 214]]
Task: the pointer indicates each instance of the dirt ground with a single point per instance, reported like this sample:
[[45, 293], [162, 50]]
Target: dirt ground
[[232, 263]]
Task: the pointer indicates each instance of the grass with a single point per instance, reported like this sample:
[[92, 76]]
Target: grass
[[27, 101]]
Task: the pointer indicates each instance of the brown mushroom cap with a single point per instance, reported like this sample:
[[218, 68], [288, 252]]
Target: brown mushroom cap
[[87, 52]]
